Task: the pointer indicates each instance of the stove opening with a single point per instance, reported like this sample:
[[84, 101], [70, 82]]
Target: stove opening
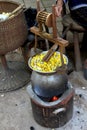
[[50, 99], [54, 98]]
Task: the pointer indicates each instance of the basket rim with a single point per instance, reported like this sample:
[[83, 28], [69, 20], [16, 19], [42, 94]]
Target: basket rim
[[13, 2], [9, 1]]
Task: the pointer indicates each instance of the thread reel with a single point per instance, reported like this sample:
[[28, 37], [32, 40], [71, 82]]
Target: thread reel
[[45, 18]]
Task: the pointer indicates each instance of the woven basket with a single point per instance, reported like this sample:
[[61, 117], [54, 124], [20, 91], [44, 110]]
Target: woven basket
[[13, 31]]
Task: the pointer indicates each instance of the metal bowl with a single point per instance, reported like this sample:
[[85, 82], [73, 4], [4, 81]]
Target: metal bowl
[[29, 63]]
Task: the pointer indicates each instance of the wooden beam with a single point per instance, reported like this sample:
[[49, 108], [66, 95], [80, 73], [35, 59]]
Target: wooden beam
[[59, 41]]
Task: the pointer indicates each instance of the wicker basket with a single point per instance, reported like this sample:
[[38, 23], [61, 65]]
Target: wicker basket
[[13, 31]]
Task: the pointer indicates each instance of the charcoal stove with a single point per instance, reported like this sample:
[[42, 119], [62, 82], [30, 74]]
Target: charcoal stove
[[52, 114]]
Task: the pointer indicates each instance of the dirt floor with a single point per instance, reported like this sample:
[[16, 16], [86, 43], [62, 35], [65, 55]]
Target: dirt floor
[[15, 106]]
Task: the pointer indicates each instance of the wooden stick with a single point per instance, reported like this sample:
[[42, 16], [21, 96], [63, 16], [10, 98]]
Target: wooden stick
[[16, 10], [61, 55], [35, 43], [38, 5], [54, 22], [50, 52]]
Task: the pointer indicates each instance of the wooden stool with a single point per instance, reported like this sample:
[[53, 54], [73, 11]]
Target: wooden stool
[[70, 25]]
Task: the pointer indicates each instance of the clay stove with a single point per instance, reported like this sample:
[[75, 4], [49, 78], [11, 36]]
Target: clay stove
[[52, 114]]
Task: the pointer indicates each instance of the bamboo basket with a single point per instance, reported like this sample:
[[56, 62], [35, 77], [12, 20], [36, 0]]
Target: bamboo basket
[[13, 31]]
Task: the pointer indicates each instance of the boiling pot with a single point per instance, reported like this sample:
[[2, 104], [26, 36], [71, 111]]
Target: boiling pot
[[48, 84]]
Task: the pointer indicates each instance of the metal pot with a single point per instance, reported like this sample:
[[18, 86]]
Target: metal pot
[[48, 84]]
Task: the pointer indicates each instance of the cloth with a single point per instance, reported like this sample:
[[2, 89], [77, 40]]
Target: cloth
[[75, 4], [78, 9], [80, 16]]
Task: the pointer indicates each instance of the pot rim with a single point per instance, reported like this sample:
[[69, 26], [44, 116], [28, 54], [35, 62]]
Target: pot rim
[[29, 61]]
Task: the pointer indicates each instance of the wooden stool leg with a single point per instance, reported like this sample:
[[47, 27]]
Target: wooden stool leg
[[78, 62]]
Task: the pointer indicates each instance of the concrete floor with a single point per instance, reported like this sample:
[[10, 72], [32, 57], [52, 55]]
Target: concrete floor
[[15, 107]]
